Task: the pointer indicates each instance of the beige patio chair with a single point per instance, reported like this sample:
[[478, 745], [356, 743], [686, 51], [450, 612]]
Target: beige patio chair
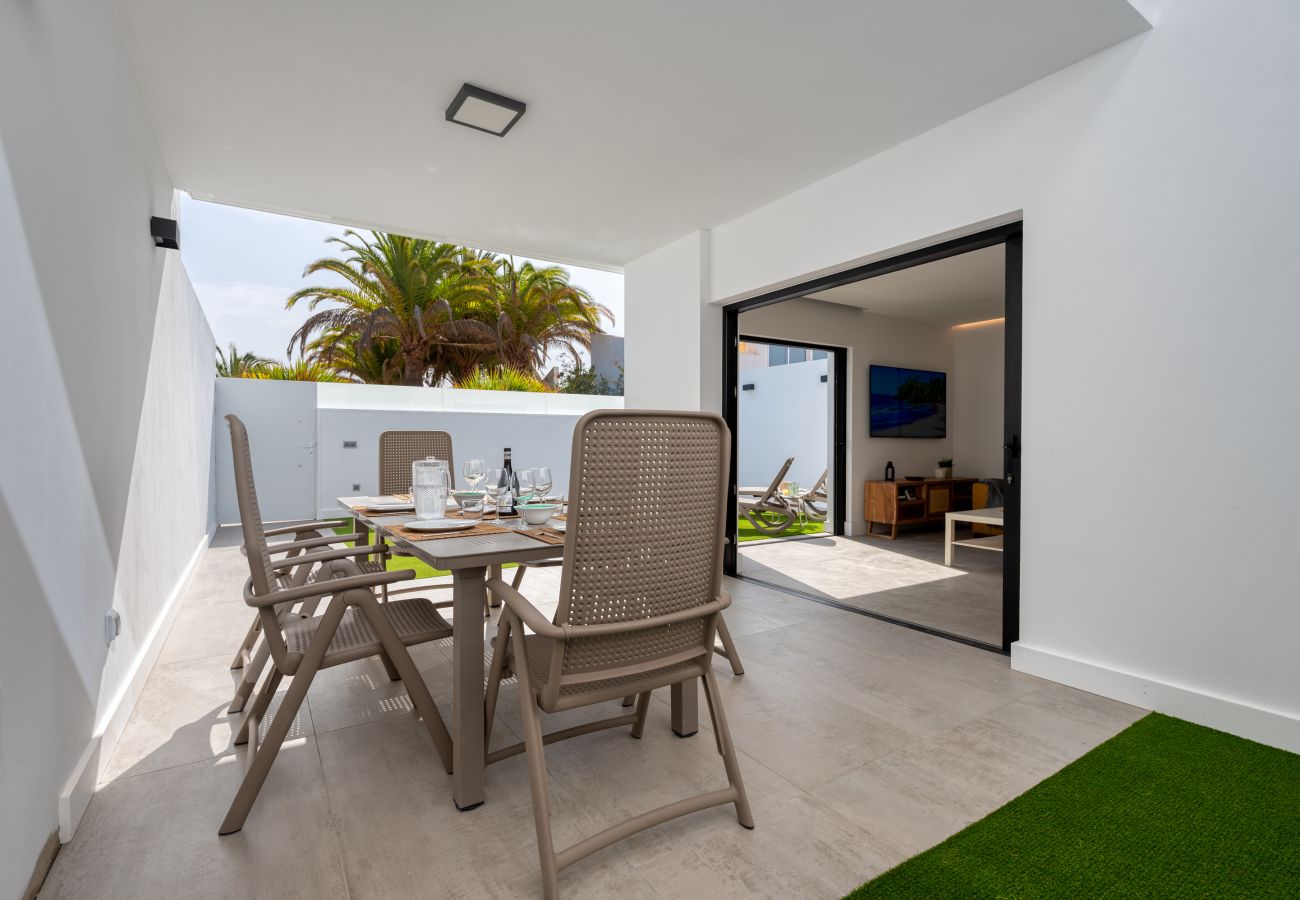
[[252, 655], [355, 625], [639, 603], [769, 512], [814, 502]]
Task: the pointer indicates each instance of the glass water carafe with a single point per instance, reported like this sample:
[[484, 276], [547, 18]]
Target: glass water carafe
[[430, 485]]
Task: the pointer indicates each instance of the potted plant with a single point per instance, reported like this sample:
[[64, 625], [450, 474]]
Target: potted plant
[[944, 469]]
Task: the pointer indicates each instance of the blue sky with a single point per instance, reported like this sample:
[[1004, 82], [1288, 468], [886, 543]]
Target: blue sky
[[244, 263]]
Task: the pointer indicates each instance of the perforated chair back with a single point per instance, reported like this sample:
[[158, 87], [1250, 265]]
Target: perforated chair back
[[644, 538], [398, 449], [250, 516]]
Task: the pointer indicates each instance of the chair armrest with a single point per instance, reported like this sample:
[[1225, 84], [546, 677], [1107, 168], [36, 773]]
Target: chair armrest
[[527, 613], [285, 546], [324, 588], [294, 562], [308, 526]]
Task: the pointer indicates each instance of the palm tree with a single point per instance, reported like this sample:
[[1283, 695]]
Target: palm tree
[[233, 364], [503, 379], [537, 312], [380, 363], [300, 369], [407, 291]]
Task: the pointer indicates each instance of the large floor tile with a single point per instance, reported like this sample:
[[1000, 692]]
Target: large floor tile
[[181, 718], [155, 835], [210, 629]]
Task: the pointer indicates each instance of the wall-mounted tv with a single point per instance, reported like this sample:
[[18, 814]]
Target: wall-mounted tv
[[909, 403]]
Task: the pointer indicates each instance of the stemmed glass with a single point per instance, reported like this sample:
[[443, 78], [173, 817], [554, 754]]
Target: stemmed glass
[[496, 489], [475, 471], [542, 481], [527, 485]]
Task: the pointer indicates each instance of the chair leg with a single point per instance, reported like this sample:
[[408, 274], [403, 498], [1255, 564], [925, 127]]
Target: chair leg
[[729, 647], [727, 748], [260, 705], [519, 577], [249, 640], [410, 675], [393, 674], [495, 672], [629, 700], [536, 772], [248, 680], [642, 709], [260, 766]]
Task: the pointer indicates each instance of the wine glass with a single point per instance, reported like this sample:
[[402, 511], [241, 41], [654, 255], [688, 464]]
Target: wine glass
[[475, 471], [495, 488], [527, 485], [542, 481]]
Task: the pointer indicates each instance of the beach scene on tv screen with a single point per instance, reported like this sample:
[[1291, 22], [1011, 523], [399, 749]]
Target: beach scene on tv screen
[[908, 403]]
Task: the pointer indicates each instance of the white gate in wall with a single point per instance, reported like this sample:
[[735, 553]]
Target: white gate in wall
[[281, 421]]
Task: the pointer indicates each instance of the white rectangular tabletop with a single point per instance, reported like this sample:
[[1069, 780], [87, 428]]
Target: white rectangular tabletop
[[991, 516]]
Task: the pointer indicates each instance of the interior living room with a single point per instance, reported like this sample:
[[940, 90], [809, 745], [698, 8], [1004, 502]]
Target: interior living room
[[925, 348]]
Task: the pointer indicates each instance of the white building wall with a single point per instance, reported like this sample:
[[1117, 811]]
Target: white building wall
[[788, 413], [1158, 187], [106, 408], [297, 432]]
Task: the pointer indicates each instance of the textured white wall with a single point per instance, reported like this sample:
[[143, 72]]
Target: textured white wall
[[106, 411], [1158, 187]]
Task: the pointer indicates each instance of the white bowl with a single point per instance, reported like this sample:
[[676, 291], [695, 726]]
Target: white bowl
[[537, 513]]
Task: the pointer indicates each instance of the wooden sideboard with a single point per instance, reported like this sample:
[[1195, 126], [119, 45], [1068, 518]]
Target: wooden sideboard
[[894, 503]]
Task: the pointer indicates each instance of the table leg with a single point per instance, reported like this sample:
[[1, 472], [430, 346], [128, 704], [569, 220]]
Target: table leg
[[493, 600], [468, 754], [686, 707], [949, 532]]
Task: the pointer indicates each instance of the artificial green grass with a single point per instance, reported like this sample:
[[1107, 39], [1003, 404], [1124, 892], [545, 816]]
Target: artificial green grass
[[745, 530], [1164, 809]]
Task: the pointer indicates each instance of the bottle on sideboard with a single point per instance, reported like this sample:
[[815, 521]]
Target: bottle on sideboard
[[510, 482], [889, 470]]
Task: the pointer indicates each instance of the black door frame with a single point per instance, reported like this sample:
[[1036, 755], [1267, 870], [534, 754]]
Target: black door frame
[[839, 367], [1011, 236]]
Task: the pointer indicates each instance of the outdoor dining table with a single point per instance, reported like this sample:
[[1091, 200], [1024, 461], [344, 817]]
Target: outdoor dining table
[[469, 559]]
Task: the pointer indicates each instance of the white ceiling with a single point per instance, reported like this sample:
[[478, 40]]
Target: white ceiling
[[952, 291], [644, 121]]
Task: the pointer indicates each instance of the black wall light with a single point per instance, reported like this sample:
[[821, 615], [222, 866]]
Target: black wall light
[[166, 233], [484, 110], [746, 387]]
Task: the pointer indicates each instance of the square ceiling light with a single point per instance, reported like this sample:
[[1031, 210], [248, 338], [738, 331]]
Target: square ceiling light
[[484, 110]]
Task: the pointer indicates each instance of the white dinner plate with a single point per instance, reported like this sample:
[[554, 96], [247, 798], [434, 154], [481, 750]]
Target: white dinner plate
[[439, 525]]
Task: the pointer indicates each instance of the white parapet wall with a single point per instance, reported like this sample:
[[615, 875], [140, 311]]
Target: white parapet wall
[[313, 443], [784, 412]]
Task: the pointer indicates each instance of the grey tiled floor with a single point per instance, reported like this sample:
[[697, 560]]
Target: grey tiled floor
[[861, 744], [904, 579]]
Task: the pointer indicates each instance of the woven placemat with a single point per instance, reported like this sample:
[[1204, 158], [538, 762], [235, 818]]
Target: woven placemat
[[479, 529]]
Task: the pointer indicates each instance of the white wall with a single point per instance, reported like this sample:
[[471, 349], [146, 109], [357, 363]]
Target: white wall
[[870, 338], [788, 413], [1161, 202], [283, 416], [106, 401], [975, 398], [670, 332]]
